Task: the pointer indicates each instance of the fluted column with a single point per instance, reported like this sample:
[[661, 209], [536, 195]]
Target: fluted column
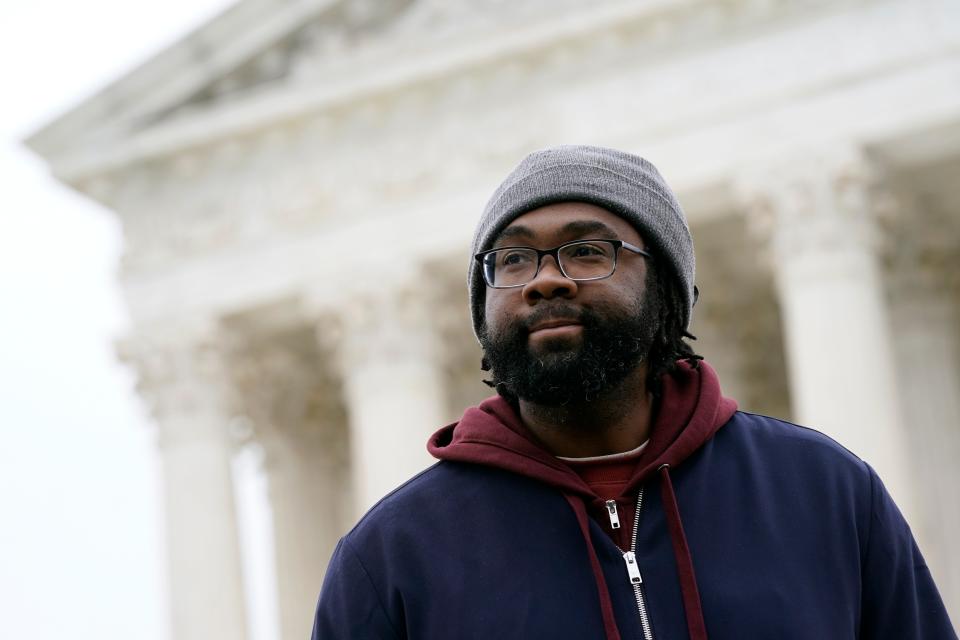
[[388, 349], [924, 286], [182, 377], [820, 214], [298, 421]]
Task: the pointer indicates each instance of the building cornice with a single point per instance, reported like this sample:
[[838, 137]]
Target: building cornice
[[399, 64]]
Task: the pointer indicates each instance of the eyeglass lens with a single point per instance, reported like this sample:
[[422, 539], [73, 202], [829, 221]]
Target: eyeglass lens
[[516, 266]]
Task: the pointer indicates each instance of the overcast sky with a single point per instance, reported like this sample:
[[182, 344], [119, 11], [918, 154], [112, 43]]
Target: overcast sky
[[79, 517]]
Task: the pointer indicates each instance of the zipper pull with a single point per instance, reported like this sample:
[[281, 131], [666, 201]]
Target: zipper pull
[[632, 569], [614, 516]]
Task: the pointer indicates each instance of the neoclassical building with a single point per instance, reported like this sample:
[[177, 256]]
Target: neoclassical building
[[298, 181]]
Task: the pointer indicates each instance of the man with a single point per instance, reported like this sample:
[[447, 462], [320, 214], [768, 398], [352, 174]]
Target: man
[[609, 490]]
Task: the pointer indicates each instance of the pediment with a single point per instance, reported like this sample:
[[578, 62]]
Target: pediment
[[245, 65], [261, 46], [250, 47]]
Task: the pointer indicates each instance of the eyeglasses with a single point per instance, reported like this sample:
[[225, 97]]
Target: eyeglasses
[[581, 260]]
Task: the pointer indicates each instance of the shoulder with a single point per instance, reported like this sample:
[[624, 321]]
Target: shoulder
[[447, 497], [775, 435], [789, 473], [405, 501], [784, 452], [418, 533]]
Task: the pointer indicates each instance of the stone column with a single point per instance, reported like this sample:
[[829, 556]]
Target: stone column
[[387, 348], [924, 290], [298, 419], [820, 218], [181, 375]]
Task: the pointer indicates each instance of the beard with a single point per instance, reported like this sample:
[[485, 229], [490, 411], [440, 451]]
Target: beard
[[574, 371]]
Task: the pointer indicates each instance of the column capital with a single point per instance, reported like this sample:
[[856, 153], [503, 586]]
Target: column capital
[[817, 201], [181, 373], [922, 262], [287, 390], [398, 324]]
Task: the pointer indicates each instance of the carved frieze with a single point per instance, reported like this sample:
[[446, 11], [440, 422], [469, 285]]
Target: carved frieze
[[432, 133], [343, 27]]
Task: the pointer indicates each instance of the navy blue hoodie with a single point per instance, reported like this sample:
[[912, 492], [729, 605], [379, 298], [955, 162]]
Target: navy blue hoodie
[[747, 527]]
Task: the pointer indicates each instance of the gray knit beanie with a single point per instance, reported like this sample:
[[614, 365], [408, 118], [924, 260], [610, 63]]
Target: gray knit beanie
[[624, 184]]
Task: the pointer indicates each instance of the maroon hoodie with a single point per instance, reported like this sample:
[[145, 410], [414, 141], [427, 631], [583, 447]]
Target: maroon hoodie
[[691, 410]]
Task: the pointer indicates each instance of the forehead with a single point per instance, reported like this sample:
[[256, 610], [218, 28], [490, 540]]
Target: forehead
[[562, 221]]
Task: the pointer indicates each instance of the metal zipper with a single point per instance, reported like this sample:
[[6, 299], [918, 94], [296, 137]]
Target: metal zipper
[[612, 512], [633, 570]]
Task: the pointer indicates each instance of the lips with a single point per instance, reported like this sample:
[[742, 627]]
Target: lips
[[554, 324]]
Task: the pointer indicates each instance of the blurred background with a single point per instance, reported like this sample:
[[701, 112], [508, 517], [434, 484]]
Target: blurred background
[[232, 263]]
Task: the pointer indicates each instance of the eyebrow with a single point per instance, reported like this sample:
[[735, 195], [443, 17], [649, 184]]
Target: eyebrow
[[575, 228]]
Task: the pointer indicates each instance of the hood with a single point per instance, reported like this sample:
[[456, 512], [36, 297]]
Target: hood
[[691, 410]]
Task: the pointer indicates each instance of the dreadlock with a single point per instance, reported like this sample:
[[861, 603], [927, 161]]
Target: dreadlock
[[670, 344]]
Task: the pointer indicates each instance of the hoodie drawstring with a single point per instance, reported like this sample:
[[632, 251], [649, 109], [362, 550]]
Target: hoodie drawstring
[[693, 610], [606, 605], [696, 627]]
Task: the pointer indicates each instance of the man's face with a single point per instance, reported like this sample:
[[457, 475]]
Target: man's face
[[555, 341]]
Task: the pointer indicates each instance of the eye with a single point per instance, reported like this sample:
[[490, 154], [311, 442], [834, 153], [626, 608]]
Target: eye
[[514, 258], [587, 251]]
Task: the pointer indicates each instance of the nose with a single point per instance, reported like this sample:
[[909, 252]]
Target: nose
[[549, 283]]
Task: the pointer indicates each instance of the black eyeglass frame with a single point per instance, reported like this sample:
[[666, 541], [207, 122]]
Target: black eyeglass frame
[[555, 254]]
